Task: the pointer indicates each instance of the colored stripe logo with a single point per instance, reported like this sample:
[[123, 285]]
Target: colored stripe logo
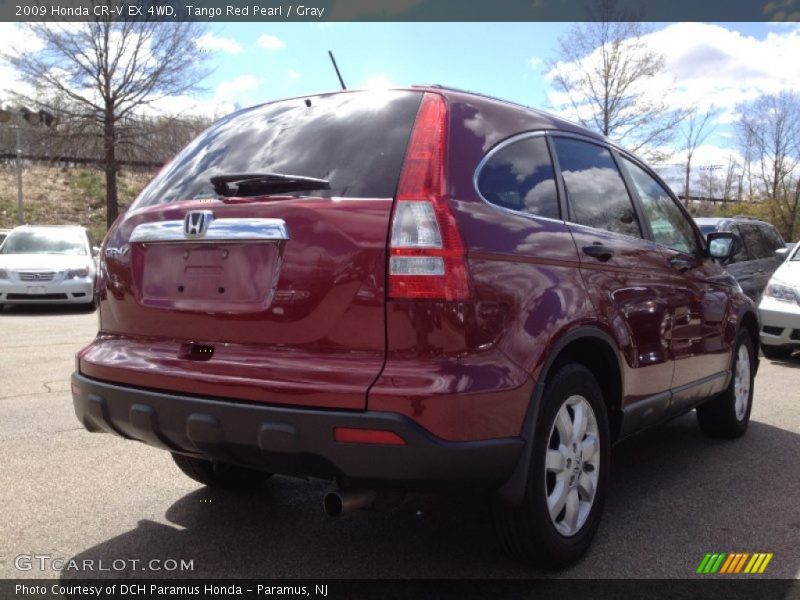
[[734, 563]]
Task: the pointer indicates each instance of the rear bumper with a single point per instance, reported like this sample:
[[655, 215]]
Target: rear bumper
[[293, 441]]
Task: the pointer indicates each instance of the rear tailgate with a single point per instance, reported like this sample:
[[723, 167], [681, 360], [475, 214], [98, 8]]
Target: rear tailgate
[[281, 300]]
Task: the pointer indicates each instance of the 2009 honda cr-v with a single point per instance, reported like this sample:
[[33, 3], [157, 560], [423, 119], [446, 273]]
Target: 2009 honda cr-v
[[414, 289]]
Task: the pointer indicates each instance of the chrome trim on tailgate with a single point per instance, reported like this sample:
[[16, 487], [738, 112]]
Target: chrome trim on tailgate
[[219, 230]]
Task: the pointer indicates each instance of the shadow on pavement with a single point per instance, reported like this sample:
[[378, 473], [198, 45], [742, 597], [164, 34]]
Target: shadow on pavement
[[674, 495]]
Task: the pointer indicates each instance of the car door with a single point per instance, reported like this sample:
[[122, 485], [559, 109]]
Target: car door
[[744, 268], [697, 293], [621, 271], [762, 257]]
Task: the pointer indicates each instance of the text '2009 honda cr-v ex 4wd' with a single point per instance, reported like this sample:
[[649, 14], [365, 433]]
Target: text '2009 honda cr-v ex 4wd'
[[410, 290]]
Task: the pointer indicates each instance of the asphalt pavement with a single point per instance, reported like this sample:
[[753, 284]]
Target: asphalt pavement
[[106, 507]]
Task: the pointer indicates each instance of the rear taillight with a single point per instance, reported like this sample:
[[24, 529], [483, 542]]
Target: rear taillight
[[426, 255]]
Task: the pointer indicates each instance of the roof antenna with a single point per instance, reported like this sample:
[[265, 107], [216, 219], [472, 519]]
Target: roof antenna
[[339, 75]]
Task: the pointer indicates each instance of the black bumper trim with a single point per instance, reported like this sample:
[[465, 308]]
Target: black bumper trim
[[293, 441]]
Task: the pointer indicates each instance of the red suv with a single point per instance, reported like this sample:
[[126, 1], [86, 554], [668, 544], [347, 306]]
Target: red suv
[[414, 289]]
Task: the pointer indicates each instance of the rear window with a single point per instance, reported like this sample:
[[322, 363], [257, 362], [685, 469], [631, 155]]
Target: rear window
[[357, 141]]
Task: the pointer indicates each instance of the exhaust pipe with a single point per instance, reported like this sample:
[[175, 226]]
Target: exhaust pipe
[[337, 502]]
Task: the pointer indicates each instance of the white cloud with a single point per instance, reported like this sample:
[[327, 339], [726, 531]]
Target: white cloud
[[534, 62], [270, 42], [293, 75], [714, 65], [710, 65], [215, 43], [227, 97], [15, 39]]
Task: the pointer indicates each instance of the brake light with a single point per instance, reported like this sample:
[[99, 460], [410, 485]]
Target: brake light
[[426, 255], [381, 437]]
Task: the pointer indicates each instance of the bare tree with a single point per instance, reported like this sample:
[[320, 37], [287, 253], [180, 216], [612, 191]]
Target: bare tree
[[602, 68], [771, 123], [731, 179], [103, 72], [695, 131]]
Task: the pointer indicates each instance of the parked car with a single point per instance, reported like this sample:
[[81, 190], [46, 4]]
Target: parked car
[[780, 310], [414, 289], [3, 234], [761, 251], [47, 265]]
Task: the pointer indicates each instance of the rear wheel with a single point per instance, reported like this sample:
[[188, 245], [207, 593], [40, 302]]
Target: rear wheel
[[220, 475], [776, 352], [568, 475], [728, 414]]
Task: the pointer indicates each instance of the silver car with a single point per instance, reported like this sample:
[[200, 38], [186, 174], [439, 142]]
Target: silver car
[[47, 265], [779, 309]]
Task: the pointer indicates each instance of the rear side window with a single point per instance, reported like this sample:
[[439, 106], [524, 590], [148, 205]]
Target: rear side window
[[357, 141], [772, 237], [520, 177], [670, 227], [595, 190], [757, 246]]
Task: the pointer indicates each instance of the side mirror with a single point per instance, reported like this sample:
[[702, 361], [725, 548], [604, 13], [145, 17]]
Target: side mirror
[[722, 245], [781, 253]]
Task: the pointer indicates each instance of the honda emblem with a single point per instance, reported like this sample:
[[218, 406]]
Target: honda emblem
[[196, 223]]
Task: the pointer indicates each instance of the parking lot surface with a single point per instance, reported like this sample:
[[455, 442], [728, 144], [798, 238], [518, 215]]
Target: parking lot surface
[[67, 494]]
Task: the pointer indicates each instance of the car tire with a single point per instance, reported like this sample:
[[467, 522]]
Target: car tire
[[219, 474], [728, 414], [776, 352], [532, 532]]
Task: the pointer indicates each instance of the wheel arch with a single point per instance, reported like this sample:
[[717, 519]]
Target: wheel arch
[[597, 351]]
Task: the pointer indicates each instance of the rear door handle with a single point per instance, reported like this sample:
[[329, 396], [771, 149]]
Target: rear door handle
[[598, 251]]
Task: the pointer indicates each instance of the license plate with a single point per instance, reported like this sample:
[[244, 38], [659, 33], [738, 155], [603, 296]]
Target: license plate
[[36, 290]]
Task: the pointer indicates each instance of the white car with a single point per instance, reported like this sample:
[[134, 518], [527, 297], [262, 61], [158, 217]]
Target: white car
[[779, 309], [47, 265]]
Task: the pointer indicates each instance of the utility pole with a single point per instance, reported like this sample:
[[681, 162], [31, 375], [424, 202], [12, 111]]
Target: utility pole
[[20, 205]]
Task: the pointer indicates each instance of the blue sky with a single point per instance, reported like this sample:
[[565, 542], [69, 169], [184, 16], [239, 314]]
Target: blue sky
[[493, 58]]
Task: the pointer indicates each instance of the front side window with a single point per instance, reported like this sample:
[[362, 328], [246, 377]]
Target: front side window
[[520, 177], [595, 189], [670, 227]]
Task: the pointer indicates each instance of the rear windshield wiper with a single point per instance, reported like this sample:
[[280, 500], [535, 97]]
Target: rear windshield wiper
[[256, 184]]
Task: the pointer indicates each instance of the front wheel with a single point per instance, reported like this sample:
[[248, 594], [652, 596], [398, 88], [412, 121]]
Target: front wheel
[[220, 475], [728, 414], [568, 475]]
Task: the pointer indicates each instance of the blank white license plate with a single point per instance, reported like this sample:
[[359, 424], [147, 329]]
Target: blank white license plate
[[36, 290]]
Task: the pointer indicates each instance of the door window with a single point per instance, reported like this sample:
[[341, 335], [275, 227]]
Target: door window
[[670, 227], [757, 246], [520, 177], [595, 189], [772, 238]]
